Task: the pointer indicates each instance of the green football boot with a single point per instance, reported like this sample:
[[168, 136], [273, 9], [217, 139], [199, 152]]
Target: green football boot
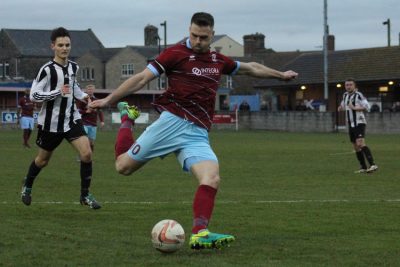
[[132, 111], [207, 240]]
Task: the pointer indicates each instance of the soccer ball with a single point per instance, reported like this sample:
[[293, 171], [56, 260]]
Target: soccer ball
[[167, 236]]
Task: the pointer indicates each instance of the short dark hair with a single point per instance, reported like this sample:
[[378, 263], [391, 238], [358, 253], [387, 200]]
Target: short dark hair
[[350, 80], [202, 19], [59, 32]]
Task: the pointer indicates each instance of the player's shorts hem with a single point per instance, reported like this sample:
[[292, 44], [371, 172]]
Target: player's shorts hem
[[189, 162]]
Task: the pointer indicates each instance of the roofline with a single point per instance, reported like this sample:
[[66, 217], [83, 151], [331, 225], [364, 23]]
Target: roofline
[[97, 39], [12, 41]]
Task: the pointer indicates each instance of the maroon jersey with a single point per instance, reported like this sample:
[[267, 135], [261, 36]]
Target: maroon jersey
[[26, 106], [91, 117], [193, 80]]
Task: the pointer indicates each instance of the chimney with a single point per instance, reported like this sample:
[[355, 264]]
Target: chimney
[[151, 35], [331, 42], [253, 43]]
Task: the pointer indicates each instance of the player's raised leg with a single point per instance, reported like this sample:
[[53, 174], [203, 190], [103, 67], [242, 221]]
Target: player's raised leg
[[124, 164]]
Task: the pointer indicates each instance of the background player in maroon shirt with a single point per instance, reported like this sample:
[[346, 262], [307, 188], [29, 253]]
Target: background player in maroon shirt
[[186, 109], [25, 117], [90, 116]]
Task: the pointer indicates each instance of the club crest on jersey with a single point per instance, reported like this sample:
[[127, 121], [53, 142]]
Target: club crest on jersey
[[214, 57], [192, 57]]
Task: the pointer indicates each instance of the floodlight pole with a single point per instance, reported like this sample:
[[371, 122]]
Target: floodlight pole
[[326, 52]]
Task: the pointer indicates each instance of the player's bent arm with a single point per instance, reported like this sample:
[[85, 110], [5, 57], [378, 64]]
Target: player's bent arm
[[365, 105], [359, 108], [38, 95], [130, 86], [258, 70]]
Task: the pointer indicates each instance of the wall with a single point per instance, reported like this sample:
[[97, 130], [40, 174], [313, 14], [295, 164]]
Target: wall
[[309, 121], [387, 122], [114, 68], [229, 47], [291, 121], [89, 61]]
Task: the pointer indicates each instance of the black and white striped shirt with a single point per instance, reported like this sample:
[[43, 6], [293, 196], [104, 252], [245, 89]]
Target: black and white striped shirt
[[57, 113], [357, 99]]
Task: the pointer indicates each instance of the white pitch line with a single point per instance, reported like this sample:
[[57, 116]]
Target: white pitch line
[[341, 153], [218, 202]]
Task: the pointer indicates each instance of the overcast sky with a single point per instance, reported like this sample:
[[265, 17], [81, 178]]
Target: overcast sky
[[287, 24]]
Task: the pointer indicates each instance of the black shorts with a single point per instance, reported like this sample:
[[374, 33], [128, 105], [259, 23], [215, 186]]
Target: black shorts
[[357, 132], [50, 141]]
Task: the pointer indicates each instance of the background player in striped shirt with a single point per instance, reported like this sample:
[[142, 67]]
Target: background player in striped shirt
[[90, 116], [186, 108], [56, 88], [355, 104], [25, 117]]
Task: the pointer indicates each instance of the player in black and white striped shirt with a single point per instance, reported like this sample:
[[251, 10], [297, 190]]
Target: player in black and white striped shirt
[[56, 88], [355, 104]]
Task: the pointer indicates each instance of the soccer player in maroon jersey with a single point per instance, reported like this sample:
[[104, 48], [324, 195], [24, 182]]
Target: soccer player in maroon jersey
[[90, 116], [25, 117], [186, 108]]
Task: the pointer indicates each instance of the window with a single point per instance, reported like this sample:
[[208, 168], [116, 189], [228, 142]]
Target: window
[[87, 74], [228, 81], [127, 70], [4, 69], [162, 82], [83, 75]]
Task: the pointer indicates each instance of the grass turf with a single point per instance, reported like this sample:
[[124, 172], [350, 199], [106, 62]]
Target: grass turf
[[290, 199]]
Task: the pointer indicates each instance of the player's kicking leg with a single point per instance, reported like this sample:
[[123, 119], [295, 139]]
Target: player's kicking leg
[[125, 135], [124, 164]]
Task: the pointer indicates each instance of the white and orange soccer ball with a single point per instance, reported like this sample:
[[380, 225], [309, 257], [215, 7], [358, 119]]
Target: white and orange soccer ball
[[167, 236]]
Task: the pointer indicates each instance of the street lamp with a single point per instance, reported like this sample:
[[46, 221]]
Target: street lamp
[[164, 24], [159, 52], [164, 79], [387, 22]]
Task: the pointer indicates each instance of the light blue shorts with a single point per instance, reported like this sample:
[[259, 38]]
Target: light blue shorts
[[171, 133], [26, 122], [91, 131]]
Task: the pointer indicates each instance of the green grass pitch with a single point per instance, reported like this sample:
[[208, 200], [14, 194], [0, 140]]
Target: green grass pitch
[[290, 199]]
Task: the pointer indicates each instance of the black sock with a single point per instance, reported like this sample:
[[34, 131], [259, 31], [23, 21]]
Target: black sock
[[31, 175], [361, 159], [86, 177], [368, 155]]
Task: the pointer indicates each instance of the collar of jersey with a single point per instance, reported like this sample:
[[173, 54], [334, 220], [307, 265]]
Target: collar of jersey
[[188, 45], [60, 64]]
